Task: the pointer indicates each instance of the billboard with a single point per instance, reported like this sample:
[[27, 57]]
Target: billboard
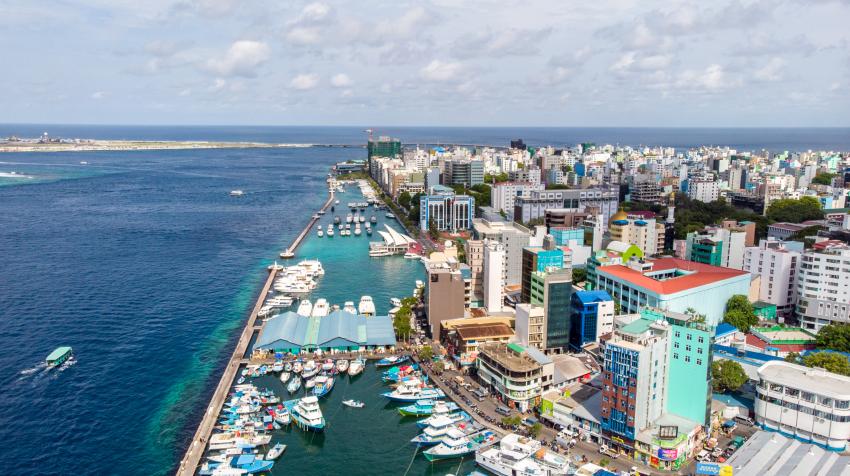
[[668, 454]]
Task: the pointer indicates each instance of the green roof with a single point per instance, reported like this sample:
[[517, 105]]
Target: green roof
[[516, 348], [58, 353], [637, 326]]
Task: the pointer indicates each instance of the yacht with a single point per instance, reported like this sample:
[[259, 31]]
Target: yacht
[[349, 307], [411, 392], [236, 193], [441, 409], [520, 455], [307, 414], [305, 308], [320, 233], [433, 434], [312, 267], [330, 231], [320, 309], [456, 444], [396, 302], [341, 226], [366, 306], [356, 367], [279, 301]]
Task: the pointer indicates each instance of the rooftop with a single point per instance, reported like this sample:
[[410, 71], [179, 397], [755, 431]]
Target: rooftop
[[693, 275], [813, 380], [589, 297], [784, 335], [772, 454], [514, 357], [480, 331]]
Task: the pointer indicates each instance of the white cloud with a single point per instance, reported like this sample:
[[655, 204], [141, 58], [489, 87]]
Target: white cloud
[[712, 78], [632, 62], [341, 80], [772, 71], [241, 59], [97, 95], [304, 82], [441, 71]]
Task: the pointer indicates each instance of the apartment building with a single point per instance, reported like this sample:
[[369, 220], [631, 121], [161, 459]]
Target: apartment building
[[776, 262], [823, 285]]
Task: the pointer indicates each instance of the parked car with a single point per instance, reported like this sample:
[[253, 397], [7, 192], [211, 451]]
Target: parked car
[[703, 455], [745, 420], [503, 410]]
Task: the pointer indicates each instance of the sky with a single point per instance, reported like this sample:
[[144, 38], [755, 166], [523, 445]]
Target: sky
[[440, 62]]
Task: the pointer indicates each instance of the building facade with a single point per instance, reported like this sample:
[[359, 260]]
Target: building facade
[[777, 266], [823, 285], [450, 212], [513, 237], [518, 375], [591, 316], [445, 296], [716, 246], [494, 275]]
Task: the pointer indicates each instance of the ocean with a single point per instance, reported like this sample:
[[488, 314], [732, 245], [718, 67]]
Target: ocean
[[145, 265]]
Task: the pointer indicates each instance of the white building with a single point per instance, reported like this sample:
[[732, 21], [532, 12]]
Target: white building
[[494, 276], [777, 266], [503, 195], [823, 285], [530, 325], [727, 247], [513, 236], [515, 373], [703, 190], [811, 404]]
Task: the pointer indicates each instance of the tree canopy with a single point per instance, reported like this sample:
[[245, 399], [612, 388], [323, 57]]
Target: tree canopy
[[727, 375], [831, 361], [693, 215], [404, 199], [834, 337], [579, 275], [502, 177], [824, 178], [740, 313], [795, 211]]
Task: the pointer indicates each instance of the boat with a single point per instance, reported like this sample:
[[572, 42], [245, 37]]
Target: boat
[[396, 302], [310, 383], [412, 391], [59, 356], [287, 367], [320, 233], [457, 417], [310, 369], [373, 219], [336, 202], [362, 219], [221, 441], [297, 367], [236, 193], [356, 367], [284, 377], [281, 415], [456, 444], [321, 308], [324, 385], [307, 414], [275, 452], [392, 360], [349, 218], [320, 212], [327, 365], [369, 231], [357, 231], [294, 384], [411, 255], [330, 231], [390, 216], [249, 463], [275, 267], [349, 307], [305, 308], [336, 220], [342, 365], [287, 254], [520, 455], [434, 433], [366, 306], [419, 408], [353, 403], [277, 366]]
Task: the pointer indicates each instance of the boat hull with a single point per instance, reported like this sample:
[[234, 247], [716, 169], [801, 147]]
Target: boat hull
[[438, 457]]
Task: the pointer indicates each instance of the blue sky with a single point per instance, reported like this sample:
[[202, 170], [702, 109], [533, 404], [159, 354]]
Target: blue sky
[[474, 62]]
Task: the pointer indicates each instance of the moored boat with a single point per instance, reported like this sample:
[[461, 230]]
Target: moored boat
[[356, 367], [456, 444], [324, 385], [455, 416], [294, 384], [275, 452], [392, 360], [353, 403], [306, 414], [342, 365]]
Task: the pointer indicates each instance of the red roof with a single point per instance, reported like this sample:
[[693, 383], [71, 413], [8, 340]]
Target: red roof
[[704, 274]]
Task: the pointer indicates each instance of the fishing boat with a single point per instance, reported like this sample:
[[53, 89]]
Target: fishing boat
[[327, 365], [59, 356], [297, 367], [356, 367], [349, 307], [307, 414], [455, 416], [456, 444], [353, 403], [310, 383], [281, 415], [249, 463], [310, 369], [324, 385], [305, 308], [392, 360], [411, 392], [294, 384], [342, 365], [284, 377], [275, 452], [419, 408], [434, 433]]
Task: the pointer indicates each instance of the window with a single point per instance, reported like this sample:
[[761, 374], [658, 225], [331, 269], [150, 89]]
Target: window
[[700, 339], [687, 359], [688, 348], [676, 355], [699, 361], [842, 404], [699, 350], [689, 336], [675, 345]]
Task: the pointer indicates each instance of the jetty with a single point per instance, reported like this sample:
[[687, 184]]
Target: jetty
[[307, 229], [191, 462]]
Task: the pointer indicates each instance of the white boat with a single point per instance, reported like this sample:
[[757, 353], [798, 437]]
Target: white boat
[[362, 219], [342, 365], [348, 218], [520, 455], [282, 416], [305, 308], [356, 367], [287, 253], [320, 233], [284, 377], [297, 367], [435, 431], [353, 403], [390, 216], [410, 255], [336, 202], [236, 193], [310, 383], [308, 415], [221, 441], [310, 369], [279, 301], [366, 306], [312, 267], [275, 267], [396, 302], [275, 452], [349, 307], [327, 365], [330, 231], [419, 284], [320, 309], [294, 384], [357, 231]]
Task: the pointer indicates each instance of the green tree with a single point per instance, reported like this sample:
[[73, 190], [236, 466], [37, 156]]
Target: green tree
[[432, 229], [535, 429], [795, 211], [426, 353], [831, 361], [834, 337], [511, 420], [727, 375], [604, 462], [805, 232], [439, 366], [740, 313], [404, 199], [498, 178], [617, 307], [579, 275], [824, 178], [793, 357]]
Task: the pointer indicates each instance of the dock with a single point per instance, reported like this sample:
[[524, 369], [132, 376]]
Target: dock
[[193, 458], [310, 224]]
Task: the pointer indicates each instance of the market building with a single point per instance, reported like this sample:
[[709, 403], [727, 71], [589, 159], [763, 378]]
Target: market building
[[338, 331]]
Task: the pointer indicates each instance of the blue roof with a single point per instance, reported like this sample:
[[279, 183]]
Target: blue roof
[[724, 328], [589, 297], [538, 356], [328, 331]]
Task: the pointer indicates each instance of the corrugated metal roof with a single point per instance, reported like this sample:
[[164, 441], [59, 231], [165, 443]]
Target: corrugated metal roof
[[322, 331]]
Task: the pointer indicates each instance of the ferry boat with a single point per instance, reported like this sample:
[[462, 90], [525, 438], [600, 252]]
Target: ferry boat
[[356, 367], [59, 356], [349, 307], [440, 410], [392, 360], [520, 455], [324, 385], [434, 433], [455, 444], [236, 193], [307, 414], [366, 306], [294, 384], [411, 392], [305, 308]]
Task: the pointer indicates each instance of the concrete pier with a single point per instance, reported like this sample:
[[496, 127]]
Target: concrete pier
[[193, 459]]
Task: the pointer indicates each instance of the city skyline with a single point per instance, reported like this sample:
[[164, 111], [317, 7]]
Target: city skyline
[[613, 63]]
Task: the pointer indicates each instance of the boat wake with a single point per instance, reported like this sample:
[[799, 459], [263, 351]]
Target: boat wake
[[30, 371], [41, 370]]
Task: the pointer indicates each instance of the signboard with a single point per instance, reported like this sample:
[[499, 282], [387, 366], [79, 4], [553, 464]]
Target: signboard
[[668, 454], [714, 469], [668, 432]]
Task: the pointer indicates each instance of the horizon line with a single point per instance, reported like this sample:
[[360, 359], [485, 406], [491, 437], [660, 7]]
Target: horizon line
[[414, 126]]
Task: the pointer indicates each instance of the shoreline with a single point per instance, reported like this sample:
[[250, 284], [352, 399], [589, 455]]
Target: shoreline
[[131, 145]]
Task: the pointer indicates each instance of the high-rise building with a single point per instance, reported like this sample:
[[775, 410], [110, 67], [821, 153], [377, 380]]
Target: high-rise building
[[557, 295], [638, 229], [494, 276], [591, 316], [466, 172], [823, 285], [383, 147], [716, 246], [777, 264], [513, 237], [503, 195], [474, 250], [704, 190], [445, 295], [603, 200], [537, 259], [450, 212]]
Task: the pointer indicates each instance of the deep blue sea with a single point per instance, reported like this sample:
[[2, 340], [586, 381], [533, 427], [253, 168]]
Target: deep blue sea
[[143, 263]]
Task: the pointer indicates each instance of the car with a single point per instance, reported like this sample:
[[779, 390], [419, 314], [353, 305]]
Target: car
[[745, 420], [502, 410], [717, 452]]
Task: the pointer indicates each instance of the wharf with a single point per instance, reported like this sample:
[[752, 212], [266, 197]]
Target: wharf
[[309, 227], [191, 462]]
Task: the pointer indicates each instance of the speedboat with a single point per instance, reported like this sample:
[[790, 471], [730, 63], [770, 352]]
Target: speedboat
[[276, 451], [294, 384], [321, 308], [310, 369], [342, 365], [356, 367], [392, 360], [305, 308], [390, 216], [349, 307], [411, 255], [324, 385], [396, 302], [455, 444], [236, 193], [307, 414], [366, 306], [353, 403]]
